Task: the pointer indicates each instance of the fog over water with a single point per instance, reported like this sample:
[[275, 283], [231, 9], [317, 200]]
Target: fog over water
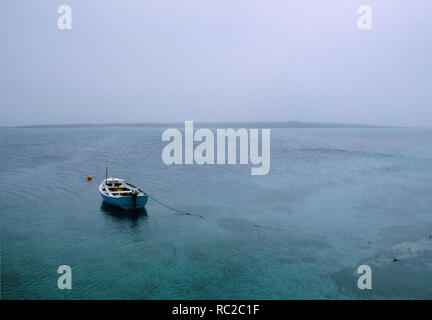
[[216, 60]]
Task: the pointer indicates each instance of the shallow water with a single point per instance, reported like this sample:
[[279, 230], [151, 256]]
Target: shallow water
[[334, 199]]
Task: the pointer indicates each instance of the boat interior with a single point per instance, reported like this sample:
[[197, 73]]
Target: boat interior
[[117, 187]]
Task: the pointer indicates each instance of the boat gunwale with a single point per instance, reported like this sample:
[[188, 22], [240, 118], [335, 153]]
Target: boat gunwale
[[108, 193]]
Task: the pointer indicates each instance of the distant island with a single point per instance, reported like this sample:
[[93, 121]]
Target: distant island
[[256, 124]]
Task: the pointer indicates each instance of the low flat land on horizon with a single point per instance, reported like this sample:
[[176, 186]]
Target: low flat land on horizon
[[254, 124]]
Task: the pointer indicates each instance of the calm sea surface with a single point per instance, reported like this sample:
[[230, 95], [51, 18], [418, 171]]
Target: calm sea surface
[[334, 199]]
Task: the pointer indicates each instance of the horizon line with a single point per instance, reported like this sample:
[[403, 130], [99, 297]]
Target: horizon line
[[272, 124]]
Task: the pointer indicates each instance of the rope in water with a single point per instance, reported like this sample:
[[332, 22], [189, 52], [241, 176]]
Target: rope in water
[[158, 201], [172, 208]]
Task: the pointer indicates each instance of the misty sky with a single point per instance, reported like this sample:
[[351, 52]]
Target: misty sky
[[216, 60]]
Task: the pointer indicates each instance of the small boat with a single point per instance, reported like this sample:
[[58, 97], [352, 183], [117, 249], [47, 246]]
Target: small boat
[[119, 193]]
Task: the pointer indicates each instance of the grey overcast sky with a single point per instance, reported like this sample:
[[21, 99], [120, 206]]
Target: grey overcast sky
[[216, 60]]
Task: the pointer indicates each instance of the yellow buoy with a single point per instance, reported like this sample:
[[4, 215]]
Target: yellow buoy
[[89, 178]]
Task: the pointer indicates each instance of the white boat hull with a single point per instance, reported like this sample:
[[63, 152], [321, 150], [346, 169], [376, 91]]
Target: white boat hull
[[119, 193]]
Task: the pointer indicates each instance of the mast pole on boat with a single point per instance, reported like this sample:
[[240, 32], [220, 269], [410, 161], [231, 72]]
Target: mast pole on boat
[[106, 174]]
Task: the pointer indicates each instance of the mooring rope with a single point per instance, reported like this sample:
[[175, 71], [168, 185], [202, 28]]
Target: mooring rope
[[172, 208]]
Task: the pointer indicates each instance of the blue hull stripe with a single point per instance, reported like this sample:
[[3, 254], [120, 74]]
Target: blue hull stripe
[[125, 202]]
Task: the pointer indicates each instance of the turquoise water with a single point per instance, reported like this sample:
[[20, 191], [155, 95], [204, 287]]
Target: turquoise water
[[334, 199]]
